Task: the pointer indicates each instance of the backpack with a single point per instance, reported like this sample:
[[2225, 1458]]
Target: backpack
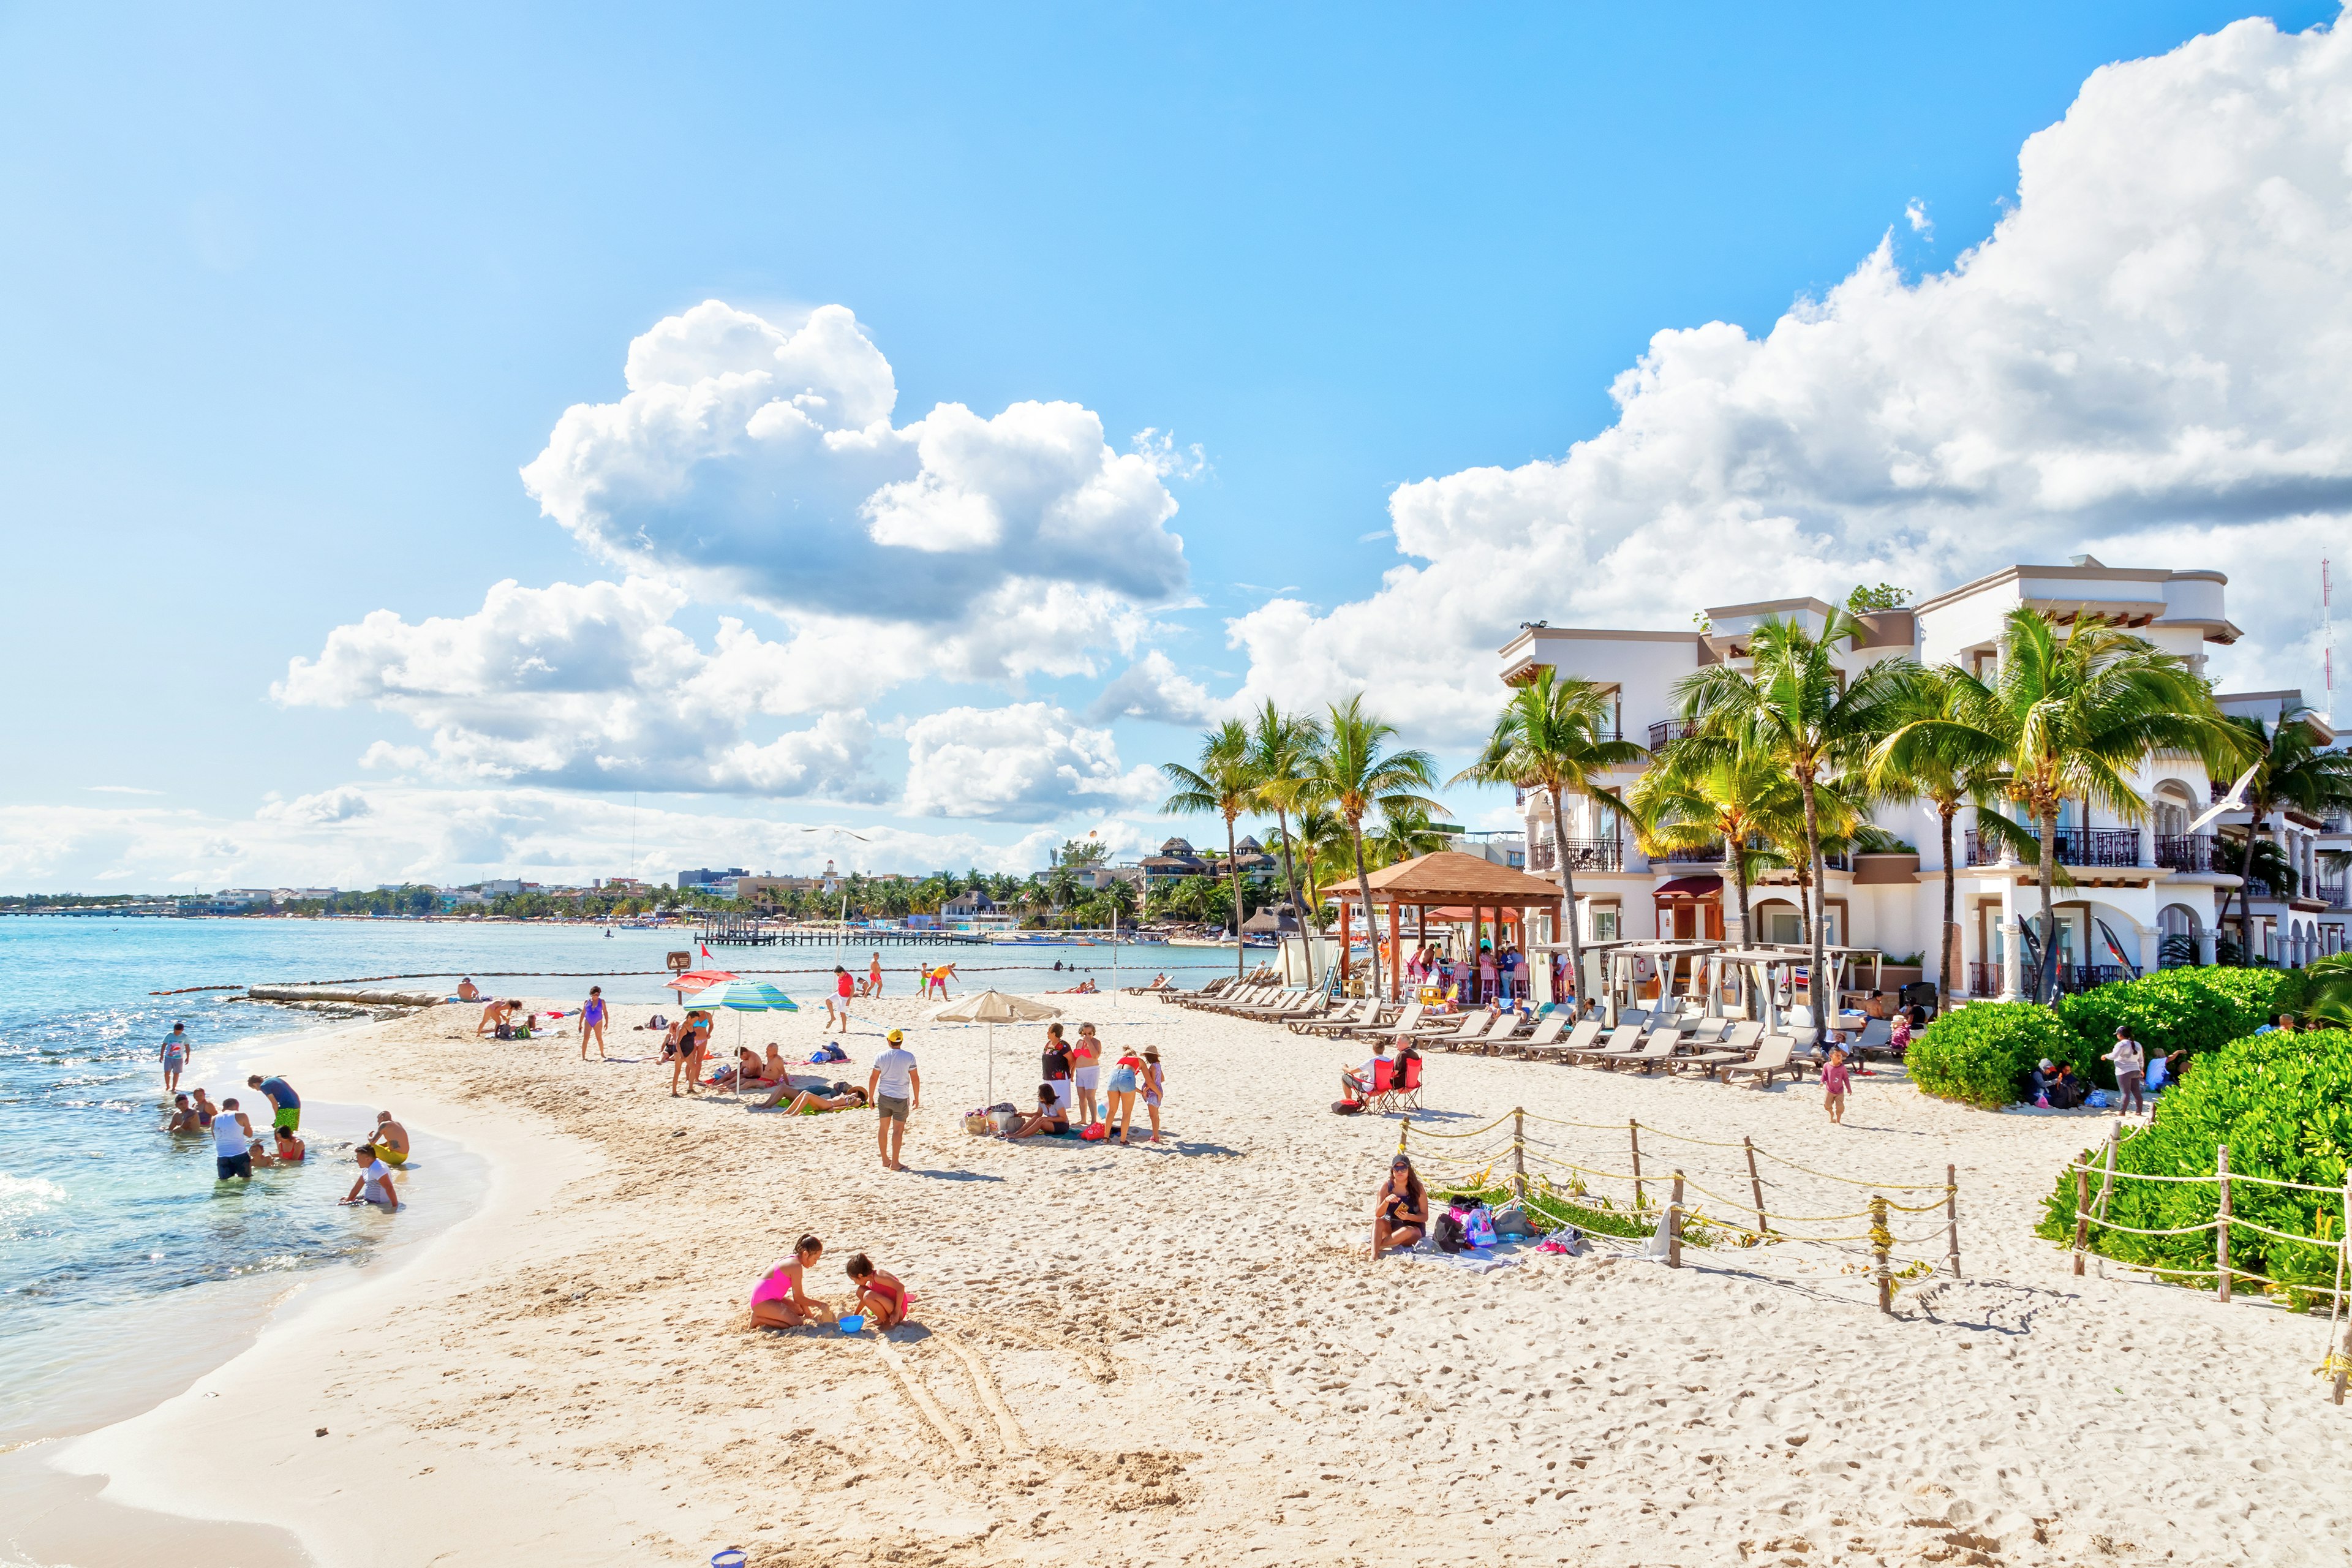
[[1346, 1107], [1446, 1231], [1479, 1226]]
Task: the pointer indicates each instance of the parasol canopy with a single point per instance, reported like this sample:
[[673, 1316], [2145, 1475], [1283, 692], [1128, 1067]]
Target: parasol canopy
[[745, 996], [991, 1008]]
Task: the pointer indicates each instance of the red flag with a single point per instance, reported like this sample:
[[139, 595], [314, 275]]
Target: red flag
[[706, 950]]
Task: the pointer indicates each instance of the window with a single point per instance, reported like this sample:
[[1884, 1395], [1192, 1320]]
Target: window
[[1604, 925], [1783, 927]]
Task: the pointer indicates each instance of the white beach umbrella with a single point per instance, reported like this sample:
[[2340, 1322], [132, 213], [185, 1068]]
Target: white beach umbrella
[[991, 1008]]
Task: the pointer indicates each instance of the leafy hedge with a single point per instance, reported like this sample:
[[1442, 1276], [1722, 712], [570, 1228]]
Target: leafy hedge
[[2283, 1103], [1981, 1053], [2195, 1010]]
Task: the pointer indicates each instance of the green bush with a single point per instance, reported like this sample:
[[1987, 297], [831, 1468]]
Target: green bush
[[2283, 1103], [2196, 1010], [1981, 1053]]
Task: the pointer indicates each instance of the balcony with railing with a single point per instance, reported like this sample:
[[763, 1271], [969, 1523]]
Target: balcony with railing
[[2335, 895], [1698, 855], [1583, 855], [2075, 847], [2186, 851], [1984, 978], [1667, 731]]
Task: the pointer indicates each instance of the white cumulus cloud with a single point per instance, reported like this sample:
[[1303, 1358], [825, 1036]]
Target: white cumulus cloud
[[592, 686], [758, 461], [1153, 688], [2146, 360], [1028, 761]]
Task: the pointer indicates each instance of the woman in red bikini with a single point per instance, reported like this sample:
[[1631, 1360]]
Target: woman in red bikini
[[782, 1301], [879, 1296]]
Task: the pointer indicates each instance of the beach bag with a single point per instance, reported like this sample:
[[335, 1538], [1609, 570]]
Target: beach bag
[[1479, 1226], [1512, 1220], [1346, 1107], [1095, 1133], [979, 1124], [2096, 1100], [1007, 1119], [1446, 1232]]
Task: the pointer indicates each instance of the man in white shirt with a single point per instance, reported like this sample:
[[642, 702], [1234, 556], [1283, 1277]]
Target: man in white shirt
[[1358, 1085], [896, 1089], [232, 1144], [375, 1185]]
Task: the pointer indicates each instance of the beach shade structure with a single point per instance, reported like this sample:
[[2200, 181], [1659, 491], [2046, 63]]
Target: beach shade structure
[[739, 996], [991, 1008]]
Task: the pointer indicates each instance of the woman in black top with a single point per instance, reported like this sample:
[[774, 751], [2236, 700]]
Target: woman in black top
[[1056, 1066], [1401, 1214]]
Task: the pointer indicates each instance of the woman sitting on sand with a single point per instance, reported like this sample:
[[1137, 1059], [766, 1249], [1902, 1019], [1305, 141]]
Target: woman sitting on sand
[[1401, 1211], [1049, 1117], [880, 1297], [781, 1299]]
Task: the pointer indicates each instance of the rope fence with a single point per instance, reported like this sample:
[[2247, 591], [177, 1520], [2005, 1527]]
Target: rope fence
[[2092, 1218], [1544, 1172]]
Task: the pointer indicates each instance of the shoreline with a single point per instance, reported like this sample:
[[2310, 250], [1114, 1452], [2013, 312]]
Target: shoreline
[[1178, 1354]]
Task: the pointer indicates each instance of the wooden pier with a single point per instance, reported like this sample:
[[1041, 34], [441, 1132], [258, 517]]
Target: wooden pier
[[730, 930]]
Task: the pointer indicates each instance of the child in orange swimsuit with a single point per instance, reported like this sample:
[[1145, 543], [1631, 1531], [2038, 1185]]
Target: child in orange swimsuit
[[879, 1296]]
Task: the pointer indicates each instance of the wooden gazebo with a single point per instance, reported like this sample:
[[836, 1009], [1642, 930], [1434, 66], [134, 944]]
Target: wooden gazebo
[[1493, 894]]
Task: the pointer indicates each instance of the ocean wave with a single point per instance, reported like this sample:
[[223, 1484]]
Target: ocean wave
[[21, 1195]]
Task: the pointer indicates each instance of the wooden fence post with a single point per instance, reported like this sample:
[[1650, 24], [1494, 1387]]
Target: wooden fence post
[[1519, 1152], [2343, 1278], [2222, 1226], [1633, 1131], [2082, 1212], [1952, 1217], [1755, 1188], [1674, 1225], [1880, 1237]]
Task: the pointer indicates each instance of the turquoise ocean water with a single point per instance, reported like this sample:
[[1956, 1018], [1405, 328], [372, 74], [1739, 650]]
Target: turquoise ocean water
[[124, 1270]]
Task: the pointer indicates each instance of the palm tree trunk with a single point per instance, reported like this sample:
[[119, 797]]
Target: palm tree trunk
[[1290, 881], [1568, 916], [1946, 811], [2246, 892], [1740, 864], [1234, 875], [2045, 988], [1364, 896], [1813, 858]]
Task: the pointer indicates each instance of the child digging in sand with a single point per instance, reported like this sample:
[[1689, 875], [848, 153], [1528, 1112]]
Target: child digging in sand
[[781, 1299], [880, 1297]]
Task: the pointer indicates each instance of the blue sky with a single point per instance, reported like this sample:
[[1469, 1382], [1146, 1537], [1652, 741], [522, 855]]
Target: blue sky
[[290, 297]]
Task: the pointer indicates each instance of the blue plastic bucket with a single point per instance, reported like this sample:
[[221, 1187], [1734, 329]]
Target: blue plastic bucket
[[730, 1558], [852, 1323]]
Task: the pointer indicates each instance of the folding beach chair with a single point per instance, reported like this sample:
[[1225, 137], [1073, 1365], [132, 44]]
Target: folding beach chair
[[1402, 1093]]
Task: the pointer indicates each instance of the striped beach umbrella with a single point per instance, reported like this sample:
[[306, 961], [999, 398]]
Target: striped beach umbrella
[[745, 996]]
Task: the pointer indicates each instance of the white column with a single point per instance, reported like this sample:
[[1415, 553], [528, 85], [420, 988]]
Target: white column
[[2207, 937], [2012, 943]]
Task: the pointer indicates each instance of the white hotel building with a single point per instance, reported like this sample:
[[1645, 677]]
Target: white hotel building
[[2134, 883]]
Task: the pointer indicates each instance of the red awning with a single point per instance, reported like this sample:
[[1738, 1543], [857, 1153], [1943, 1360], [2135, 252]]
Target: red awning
[[1691, 888]]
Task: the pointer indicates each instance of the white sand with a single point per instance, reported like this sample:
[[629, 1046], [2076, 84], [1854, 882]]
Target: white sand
[[1167, 1354]]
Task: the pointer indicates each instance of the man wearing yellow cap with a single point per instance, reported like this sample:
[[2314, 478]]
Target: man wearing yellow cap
[[896, 1089]]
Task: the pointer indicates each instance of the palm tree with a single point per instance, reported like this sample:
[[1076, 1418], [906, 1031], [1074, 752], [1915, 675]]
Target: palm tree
[[1354, 773], [1953, 765], [1557, 734], [1792, 707], [2291, 772], [1404, 834], [1225, 784], [1323, 845], [2073, 718], [1694, 798], [1282, 753]]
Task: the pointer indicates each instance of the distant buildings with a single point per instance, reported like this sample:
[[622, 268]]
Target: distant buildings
[[1178, 859], [720, 882]]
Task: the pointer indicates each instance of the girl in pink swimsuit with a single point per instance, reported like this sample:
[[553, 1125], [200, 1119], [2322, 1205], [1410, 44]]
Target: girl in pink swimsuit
[[781, 1299]]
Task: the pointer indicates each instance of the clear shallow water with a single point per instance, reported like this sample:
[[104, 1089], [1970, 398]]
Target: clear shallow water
[[122, 1264]]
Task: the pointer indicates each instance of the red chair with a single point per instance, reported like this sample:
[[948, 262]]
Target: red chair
[[1401, 1095]]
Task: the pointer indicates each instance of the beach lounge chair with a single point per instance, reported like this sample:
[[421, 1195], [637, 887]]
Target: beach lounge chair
[[1739, 1046], [1403, 1024], [1247, 996], [1705, 1031], [1549, 1027], [1193, 994], [1624, 1040], [1579, 1040], [1275, 1001], [1349, 1012], [1660, 1047], [1774, 1057], [1468, 1027], [1505, 1025], [1877, 1035]]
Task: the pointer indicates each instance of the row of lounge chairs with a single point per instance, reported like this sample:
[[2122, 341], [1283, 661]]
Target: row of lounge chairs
[[1733, 1051]]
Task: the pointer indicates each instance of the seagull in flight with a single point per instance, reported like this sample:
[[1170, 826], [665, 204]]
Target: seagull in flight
[[859, 837], [2233, 801]]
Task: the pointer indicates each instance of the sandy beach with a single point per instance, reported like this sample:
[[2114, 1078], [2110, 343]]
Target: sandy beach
[[1178, 1352]]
